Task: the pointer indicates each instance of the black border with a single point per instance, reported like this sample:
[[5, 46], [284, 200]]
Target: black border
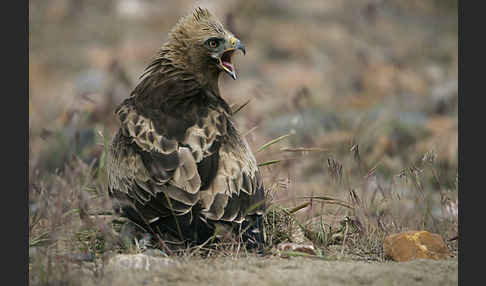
[[22, 191], [471, 185], [15, 110]]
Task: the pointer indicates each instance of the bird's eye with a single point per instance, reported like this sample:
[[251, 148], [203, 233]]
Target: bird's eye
[[213, 43]]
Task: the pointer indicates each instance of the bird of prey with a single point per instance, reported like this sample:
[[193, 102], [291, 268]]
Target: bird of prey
[[178, 164]]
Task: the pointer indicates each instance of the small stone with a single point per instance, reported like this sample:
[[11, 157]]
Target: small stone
[[294, 247], [123, 262], [414, 245]]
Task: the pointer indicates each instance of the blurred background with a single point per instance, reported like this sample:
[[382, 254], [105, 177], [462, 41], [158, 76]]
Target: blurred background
[[364, 88]]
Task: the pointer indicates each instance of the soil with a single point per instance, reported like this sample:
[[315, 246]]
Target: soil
[[284, 271]]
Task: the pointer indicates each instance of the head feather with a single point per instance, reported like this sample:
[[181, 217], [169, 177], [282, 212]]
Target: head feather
[[200, 13], [183, 52], [200, 23]]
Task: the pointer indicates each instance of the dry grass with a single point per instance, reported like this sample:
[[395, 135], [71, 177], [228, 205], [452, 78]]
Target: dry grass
[[71, 222]]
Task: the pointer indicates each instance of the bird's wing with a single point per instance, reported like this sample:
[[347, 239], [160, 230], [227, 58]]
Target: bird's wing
[[199, 166], [174, 167], [143, 179], [237, 188]]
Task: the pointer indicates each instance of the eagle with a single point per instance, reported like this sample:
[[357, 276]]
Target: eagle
[[178, 163]]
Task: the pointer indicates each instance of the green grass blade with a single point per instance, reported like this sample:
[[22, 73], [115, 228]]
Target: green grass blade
[[271, 142], [269, 163], [328, 200]]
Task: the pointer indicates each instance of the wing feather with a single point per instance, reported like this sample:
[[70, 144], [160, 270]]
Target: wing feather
[[237, 189], [167, 166], [202, 161]]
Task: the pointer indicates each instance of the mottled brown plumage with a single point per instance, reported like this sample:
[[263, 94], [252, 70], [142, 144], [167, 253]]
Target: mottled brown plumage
[[178, 164]]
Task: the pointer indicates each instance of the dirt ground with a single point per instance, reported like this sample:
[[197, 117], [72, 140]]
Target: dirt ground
[[282, 271]]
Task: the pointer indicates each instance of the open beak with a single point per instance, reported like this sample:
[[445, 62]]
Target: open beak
[[226, 58]]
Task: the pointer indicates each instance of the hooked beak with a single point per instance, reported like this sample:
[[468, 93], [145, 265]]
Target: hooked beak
[[226, 60]]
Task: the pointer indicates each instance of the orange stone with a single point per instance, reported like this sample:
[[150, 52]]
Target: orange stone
[[415, 244]]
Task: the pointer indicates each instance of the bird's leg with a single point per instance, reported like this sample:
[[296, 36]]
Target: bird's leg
[[253, 233]]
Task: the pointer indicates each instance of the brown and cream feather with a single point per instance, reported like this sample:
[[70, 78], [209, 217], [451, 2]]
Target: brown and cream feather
[[177, 157]]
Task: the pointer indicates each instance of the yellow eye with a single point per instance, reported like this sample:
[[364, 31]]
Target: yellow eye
[[213, 43]]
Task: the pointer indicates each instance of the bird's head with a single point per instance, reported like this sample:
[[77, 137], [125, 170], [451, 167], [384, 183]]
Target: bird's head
[[202, 45]]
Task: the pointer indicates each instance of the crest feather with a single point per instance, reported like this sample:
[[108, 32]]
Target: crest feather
[[201, 13]]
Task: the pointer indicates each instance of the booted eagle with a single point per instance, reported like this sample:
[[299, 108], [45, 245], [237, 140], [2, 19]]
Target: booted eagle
[[178, 164]]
